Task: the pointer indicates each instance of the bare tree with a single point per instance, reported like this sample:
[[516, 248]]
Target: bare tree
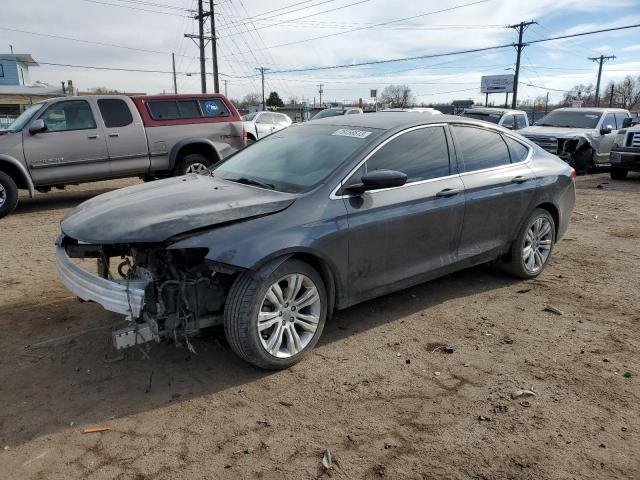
[[251, 100], [626, 94], [397, 96], [585, 93]]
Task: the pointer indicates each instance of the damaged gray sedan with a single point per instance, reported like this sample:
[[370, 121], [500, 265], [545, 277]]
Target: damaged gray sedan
[[312, 219]]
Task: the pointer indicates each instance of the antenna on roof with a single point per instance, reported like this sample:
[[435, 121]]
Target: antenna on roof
[[11, 48]]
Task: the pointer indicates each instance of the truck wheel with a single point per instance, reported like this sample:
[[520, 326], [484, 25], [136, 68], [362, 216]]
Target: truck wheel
[[618, 173], [8, 195], [272, 318], [531, 250], [583, 161], [192, 163]]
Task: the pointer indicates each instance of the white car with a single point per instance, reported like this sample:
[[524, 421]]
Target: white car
[[505, 117], [261, 124]]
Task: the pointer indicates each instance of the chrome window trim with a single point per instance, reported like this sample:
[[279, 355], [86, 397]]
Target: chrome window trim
[[526, 161]]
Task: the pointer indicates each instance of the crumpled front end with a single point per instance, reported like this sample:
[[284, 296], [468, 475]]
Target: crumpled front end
[[163, 293]]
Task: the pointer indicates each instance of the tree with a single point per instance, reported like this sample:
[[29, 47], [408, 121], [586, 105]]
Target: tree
[[293, 100], [274, 100], [626, 94], [397, 96], [251, 100], [586, 93]]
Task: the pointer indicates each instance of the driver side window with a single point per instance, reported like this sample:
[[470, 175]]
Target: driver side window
[[421, 154], [609, 121], [71, 115]]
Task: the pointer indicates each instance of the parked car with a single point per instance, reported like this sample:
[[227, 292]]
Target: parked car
[[625, 153], [317, 217], [72, 140], [582, 137], [505, 117], [261, 124], [428, 110], [336, 112]]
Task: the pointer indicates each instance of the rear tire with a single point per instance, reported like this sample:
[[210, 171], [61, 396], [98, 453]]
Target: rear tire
[[618, 173], [192, 163], [532, 248], [273, 317], [8, 195]]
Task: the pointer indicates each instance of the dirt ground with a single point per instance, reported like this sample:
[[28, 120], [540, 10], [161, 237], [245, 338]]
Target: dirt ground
[[376, 392]]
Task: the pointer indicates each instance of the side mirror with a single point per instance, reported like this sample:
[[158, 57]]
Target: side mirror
[[509, 127], [38, 126], [626, 123], [606, 129], [378, 179]]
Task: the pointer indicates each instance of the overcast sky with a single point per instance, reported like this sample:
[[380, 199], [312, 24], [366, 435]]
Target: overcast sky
[[282, 35]]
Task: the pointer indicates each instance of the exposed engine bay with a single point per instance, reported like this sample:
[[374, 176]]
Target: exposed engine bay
[[183, 293]]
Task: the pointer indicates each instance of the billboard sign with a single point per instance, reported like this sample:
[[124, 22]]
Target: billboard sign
[[374, 93], [496, 84]]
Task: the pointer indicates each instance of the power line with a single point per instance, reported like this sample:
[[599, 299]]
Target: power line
[[434, 12], [447, 54], [279, 9], [173, 14]]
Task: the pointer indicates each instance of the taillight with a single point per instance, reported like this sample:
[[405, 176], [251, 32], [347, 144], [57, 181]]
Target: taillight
[[573, 172]]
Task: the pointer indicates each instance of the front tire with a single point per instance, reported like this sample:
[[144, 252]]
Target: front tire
[[618, 173], [192, 163], [273, 317], [531, 250], [8, 195]]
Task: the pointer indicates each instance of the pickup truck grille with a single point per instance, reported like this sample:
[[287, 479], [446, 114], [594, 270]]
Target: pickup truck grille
[[634, 140], [550, 144]]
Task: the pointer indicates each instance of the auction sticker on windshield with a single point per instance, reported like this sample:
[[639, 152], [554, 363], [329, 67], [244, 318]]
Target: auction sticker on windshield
[[347, 132]]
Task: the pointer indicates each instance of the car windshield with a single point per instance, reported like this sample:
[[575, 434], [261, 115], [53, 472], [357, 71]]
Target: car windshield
[[296, 159], [329, 112], [493, 117], [570, 119], [249, 117], [26, 116]]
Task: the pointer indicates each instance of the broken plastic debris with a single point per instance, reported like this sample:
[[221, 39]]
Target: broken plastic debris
[[522, 394], [96, 430], [327, 459], [552, 309]]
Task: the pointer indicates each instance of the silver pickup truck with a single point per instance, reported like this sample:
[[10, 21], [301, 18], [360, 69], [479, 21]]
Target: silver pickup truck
[[72, 140], [582, 137]]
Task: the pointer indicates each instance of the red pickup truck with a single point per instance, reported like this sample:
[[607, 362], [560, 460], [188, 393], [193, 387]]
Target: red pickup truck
[[72, 140]]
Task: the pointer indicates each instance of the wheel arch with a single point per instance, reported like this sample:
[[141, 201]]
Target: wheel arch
[[553, 211], [315, 260], [17, 172], [189, 146]]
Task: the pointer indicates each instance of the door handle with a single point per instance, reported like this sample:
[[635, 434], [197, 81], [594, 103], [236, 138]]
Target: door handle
[[115, 134], [519, 179], [93, 137], [448, 192]]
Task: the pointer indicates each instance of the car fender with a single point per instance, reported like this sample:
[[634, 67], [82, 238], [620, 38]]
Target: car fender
[[175, 150], [21, 169]]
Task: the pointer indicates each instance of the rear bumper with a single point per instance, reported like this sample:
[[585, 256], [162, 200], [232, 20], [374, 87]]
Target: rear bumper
[[123, 297], [629, 160]]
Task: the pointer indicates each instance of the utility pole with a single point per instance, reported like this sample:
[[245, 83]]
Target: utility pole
[[203, 72], [225, 88], [262, 70], [611, 97], [173, 64], [320, 91], [520, 27], [546, 104], [601, 59], [214, 48]]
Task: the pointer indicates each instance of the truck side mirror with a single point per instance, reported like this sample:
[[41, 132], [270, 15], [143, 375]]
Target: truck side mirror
[[626, 123], [38, 126], [606, 129]]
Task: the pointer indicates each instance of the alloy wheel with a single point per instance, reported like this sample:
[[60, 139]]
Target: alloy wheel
[[197, 168], [3, 195], [537, 245], [289, 315]]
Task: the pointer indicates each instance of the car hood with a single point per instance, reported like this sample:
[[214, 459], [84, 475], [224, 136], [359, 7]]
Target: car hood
[[557, 131], [159, 210]]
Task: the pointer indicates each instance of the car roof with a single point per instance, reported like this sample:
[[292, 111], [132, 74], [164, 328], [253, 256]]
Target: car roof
[[493, 109], [391, 120], [590, 109]]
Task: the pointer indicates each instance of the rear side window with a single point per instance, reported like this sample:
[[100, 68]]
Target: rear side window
[[188, 109], [480, 148], [508, 121], [521, 121], [213, 107], [164, 109], [517, 150], [421, 154], [115, 112]]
